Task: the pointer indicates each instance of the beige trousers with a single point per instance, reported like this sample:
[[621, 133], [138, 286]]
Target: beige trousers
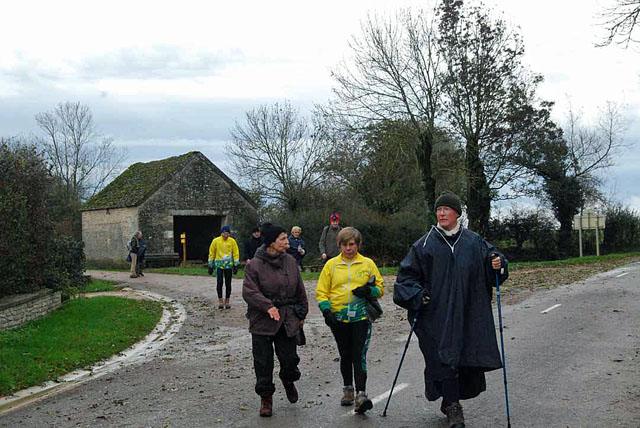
[[134, 263]]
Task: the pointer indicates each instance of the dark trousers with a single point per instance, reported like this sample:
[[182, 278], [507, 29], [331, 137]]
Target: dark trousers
[[224, 274], [353, 343], [286, 350]]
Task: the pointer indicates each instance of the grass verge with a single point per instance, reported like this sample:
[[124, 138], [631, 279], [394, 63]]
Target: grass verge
[[97, 285], [82, 332]]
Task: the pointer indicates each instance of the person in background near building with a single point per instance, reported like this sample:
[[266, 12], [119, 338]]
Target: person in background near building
[[342, 293], [277, 305], [224, 257], [252, 244], [134, 247], [328, 245], [446, 281], [296, 245]]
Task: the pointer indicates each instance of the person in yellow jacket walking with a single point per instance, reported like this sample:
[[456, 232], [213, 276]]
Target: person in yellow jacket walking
[[342, 293], [224, 257]]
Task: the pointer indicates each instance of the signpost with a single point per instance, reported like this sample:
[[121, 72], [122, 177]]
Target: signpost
[[589, 220], [183, 241]]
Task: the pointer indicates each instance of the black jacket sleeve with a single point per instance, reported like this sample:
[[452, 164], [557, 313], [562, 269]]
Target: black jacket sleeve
[[411, 281]]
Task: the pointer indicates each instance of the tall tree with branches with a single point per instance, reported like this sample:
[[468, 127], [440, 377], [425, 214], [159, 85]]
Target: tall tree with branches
[[81, 158], [394, 75], [280, 154], [484, 83]]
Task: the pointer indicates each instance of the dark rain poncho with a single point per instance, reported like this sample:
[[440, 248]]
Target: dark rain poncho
[[456, 329]]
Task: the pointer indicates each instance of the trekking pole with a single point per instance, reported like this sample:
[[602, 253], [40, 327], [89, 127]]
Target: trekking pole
[[406, 346], [504, 361]]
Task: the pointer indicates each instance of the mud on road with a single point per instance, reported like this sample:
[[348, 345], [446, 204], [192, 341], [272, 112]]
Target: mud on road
[[204, 375]]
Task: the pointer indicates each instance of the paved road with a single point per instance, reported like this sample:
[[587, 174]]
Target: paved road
[[576, 365]]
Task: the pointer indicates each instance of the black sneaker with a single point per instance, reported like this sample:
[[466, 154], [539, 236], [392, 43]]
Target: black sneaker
[[455, 418]]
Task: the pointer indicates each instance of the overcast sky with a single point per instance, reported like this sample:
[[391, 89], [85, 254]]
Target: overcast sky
[[163, 78]]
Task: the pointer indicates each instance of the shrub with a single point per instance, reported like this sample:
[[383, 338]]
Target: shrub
[[66, 265], [525, 235], [24, 220], [31, 257], [622, 231]]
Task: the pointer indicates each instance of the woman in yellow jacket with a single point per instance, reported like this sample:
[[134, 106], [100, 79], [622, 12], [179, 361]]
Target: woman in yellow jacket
[[341, 292], [224, 256]]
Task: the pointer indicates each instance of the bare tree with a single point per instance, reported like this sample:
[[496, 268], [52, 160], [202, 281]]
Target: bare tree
[[591, 148], [394, 75], [280, 153], [620, 21], [79, 156]]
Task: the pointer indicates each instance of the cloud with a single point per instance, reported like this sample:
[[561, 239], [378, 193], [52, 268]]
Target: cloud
[[157, 62]]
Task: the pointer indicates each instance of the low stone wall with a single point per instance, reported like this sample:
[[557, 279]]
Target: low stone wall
[[17, 310]]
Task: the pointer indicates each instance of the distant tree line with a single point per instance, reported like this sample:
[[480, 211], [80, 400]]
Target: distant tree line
[[427, 102]]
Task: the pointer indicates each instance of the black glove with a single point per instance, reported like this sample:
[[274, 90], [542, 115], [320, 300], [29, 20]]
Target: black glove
[[362, 291], [235, 269], [210, 269], [426, 298], [365, 290], [330, 318]]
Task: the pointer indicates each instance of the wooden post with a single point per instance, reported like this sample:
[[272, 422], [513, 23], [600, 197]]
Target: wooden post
[[597, 236], [183, 241], [580, 238]]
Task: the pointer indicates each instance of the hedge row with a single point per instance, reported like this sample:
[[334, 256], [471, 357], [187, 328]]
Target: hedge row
[[31, 256]]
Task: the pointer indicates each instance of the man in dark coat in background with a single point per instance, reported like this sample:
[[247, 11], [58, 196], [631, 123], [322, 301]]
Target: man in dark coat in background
[[446, 281], [252, 244]]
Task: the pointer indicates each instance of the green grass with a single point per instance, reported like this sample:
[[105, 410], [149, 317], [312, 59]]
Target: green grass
[[96, 285], [180, 270], [573, 261], [82, 332]]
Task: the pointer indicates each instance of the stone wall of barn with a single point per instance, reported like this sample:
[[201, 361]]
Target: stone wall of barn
[[106, 233]]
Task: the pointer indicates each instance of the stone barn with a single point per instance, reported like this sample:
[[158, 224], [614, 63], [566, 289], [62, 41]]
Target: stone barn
[[164, 198]]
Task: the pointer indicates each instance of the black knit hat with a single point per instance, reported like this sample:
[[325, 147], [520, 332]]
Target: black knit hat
[[451, 200], [270, 233]]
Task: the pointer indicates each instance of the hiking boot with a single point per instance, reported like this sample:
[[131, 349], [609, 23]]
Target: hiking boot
[[226, 304], [292, 392], [133, 275], [140, 273], [220, 304], [266, 406], [455, 418], [348, 395], [362, 403]]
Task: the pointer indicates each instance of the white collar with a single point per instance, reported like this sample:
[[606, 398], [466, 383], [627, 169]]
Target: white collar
[[451, 232]]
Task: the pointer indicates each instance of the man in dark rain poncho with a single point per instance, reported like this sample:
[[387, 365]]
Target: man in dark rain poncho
[[446, 280]]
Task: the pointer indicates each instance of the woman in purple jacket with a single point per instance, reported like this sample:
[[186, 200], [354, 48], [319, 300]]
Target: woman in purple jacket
[[277, 305]]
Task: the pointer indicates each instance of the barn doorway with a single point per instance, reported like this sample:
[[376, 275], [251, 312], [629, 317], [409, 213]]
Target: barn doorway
[[200, 230]]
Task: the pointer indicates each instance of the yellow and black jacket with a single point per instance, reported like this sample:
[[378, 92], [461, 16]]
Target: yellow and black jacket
[[337, 281]]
